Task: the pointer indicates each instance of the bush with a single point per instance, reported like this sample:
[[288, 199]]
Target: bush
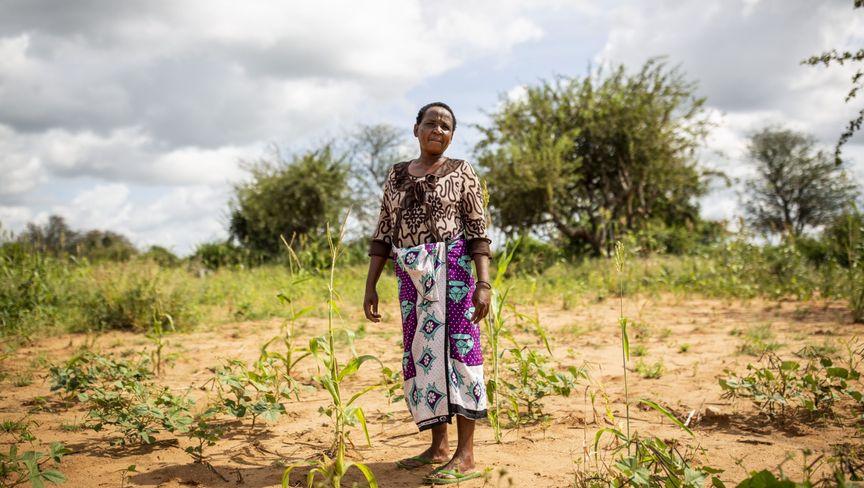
[[134, 300], [161, 256]]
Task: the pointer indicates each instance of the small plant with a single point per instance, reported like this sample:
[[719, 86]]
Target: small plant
[[682, 348], [160, 329], [256, 391], [758, 341], [650, 371], [18, 468], [531, 382], [638, 350], [204, 433], [136, 410]]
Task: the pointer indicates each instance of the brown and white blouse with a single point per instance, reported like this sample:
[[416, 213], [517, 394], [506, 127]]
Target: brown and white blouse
[[432, 208]]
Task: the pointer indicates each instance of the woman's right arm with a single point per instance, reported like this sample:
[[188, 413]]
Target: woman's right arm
[[379, 252], [370, 298]]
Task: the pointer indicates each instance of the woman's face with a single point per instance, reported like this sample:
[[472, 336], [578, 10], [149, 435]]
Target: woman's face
[[434, 131]]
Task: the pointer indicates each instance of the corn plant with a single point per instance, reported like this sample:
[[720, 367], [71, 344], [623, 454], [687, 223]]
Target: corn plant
[[332, 466], [495, 329], [160, 329]]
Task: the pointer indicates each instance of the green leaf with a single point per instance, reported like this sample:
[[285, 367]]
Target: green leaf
[[361, 393], [838, 373], [367, 473], [668, 414], [362, 418], [354, 365], [625, 340], [53, 476]]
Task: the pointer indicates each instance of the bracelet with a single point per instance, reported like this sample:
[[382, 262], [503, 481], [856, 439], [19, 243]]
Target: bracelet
[[488, 286]]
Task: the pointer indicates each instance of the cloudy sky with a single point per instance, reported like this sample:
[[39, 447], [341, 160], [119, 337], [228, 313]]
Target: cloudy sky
[[134, 116]]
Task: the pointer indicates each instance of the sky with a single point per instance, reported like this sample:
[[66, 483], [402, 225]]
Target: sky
[[137, 116]]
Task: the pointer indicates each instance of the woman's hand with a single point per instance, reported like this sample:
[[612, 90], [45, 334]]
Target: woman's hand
[[370, 305], [481, 299]]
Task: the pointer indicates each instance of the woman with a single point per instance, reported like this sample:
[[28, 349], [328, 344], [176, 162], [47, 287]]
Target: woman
[[432, 223]]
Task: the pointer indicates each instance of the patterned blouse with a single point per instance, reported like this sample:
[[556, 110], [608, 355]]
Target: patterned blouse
[[432, 208]]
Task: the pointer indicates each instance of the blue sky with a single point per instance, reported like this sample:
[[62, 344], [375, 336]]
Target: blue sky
[[134, 116]]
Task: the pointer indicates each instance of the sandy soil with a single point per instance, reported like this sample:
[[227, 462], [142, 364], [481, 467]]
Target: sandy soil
[[735, 438]]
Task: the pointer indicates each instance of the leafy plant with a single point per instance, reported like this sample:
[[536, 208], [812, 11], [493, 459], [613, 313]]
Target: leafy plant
[[530, 381], [256, 391], [137, 410], [18, 468], [813, 385], [86, 370]]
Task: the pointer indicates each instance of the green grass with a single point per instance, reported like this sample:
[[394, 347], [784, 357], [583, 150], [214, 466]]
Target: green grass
[[44, 295], [650, 371], [758, 340]]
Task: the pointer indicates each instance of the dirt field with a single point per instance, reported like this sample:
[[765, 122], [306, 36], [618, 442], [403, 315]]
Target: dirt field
[[735, 437]]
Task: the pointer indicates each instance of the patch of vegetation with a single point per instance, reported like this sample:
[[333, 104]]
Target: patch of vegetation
[[33, 466], [780, 388], [758, 340], [650, 371]]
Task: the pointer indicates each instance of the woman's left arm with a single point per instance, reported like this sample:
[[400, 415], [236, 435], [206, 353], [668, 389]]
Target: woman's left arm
[[474, 226], [482, 297]]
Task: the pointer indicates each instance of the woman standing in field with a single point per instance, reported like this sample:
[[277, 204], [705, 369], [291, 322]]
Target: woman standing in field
[[432, 223]]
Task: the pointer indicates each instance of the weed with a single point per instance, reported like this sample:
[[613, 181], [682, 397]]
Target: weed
[[758, 340], [638, 350], [682, 348], [22, 378], [650, 371]]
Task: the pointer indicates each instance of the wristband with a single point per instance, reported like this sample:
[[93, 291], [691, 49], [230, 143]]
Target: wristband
[[479, 282]]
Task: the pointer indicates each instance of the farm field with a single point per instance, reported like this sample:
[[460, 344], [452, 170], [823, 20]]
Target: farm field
[[688, 342]]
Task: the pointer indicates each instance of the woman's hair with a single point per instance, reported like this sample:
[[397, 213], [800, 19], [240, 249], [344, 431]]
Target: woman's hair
[[443, 105]]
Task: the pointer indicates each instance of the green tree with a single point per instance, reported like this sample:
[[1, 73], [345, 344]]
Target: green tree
[[56, 237], [296, 197], [795, 186], [588, 159], [834, 56]]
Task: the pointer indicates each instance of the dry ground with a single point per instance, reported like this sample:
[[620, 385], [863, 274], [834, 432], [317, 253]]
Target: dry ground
[[539, 456]]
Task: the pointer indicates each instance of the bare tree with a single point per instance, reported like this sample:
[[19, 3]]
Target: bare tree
[[373, 150]]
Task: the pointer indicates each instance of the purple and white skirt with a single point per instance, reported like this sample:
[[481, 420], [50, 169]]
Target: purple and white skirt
[[442, 362]]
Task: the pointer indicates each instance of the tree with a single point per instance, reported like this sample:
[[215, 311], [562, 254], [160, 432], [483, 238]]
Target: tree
[[833, 56], [288, 197], [588, 159], [795, 187], [372, 150], [56, 237]]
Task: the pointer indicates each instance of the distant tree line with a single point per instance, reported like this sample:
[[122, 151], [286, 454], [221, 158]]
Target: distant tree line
[[573, 164]]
